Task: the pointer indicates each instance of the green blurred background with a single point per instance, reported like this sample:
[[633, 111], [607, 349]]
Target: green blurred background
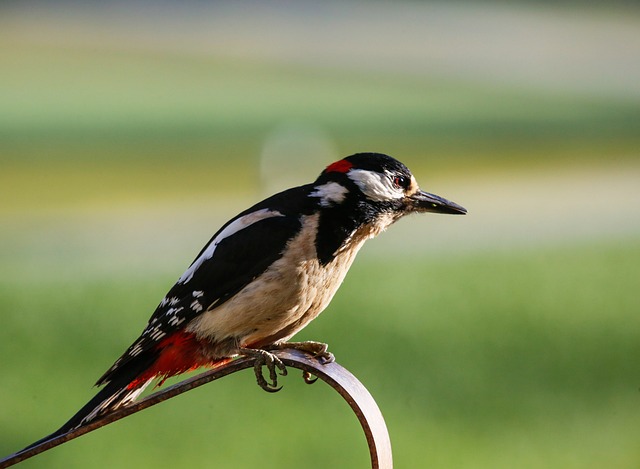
[[507, 338]]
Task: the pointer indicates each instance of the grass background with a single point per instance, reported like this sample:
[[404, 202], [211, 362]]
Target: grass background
[[505, 338]]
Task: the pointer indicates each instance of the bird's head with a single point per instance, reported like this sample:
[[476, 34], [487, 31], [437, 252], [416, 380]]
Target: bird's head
[[380, 183]]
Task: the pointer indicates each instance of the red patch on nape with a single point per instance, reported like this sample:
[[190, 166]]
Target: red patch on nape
[[178, 353], [341, 166]]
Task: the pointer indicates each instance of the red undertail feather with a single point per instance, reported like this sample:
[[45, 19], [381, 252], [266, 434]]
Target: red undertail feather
[[178, 353]]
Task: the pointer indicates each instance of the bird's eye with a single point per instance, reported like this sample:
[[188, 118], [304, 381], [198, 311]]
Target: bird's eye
[[400, 182]]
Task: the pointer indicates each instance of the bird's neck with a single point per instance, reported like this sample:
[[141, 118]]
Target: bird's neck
[[345, 227]]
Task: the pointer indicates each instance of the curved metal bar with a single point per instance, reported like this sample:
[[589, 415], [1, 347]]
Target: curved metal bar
[[347, 385], [357, 396]]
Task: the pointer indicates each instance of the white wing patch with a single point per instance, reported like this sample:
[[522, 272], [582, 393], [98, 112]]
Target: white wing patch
[[375, 186], [233, 227], [330, 193]]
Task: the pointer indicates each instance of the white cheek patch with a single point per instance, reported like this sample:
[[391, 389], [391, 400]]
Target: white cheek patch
[[375, 186], [330, 193], [231, 229], [413, 187]]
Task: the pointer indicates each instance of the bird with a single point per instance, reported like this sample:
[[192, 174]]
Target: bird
[[262, 277]]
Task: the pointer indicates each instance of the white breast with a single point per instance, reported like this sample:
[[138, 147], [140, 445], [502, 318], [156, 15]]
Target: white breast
[[289, 294]]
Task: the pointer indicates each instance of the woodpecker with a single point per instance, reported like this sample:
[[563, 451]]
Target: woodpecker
[[264, 276]]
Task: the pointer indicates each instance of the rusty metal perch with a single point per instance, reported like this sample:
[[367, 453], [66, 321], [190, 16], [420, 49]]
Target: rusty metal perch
[[347, 385]]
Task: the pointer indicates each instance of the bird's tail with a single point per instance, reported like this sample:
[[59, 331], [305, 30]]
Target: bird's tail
[[121, 390], [128, 377]]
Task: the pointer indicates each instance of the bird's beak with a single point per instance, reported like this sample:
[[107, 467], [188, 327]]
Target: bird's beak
[[425, 202]]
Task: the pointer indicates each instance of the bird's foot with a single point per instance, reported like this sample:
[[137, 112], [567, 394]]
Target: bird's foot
[[273, 364], [319, 350]]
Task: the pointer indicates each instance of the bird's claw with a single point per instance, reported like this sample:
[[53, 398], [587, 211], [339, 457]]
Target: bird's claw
[[319, 350], [272, 363], [267, 359], [308, 377]]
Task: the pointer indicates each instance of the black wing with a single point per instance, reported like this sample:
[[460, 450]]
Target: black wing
[[234, 256]]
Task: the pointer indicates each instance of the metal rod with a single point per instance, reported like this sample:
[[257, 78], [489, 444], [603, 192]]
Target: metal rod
[[338, 377]]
